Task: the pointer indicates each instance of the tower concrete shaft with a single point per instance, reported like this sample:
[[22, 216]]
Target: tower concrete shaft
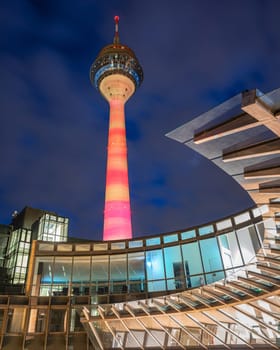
[[117, 89], [116, 73]]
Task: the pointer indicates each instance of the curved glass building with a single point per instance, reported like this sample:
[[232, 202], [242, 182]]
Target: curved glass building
[[214, 286], [129, 269]]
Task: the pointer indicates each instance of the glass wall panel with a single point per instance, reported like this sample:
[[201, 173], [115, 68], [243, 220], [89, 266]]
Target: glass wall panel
[[82, 247], [52, 229], [211, 255], [192, 261], [261, 230], [188, 234], [213, 277], [242, 218], [100, 246], [153, 241], [135, 244], [246, 244], [100, 268], [155, 269], [174, 267], [117, 245], [230, 253], [196, 281], [255, 238], [222, 225], [118, 273], [206, 230], [136, 271], [81, 269], [170, 238], [100, 274], [62, 269], [43, 274], [81, 275]]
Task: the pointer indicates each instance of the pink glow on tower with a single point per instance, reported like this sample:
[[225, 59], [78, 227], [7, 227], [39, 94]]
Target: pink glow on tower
[[116, 73], [117, 214]]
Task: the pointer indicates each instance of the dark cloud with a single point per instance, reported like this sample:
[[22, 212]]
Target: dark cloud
[[195, 54]]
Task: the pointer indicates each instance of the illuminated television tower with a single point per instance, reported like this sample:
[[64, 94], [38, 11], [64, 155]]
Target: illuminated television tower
[[116, 73]]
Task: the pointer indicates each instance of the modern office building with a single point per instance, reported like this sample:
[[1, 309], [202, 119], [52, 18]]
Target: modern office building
[[214, 286]]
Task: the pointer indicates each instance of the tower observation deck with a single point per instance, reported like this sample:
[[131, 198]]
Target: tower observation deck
[[116, 73]]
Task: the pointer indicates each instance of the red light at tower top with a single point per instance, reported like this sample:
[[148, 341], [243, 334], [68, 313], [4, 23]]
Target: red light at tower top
[[116, 38], [116, 73]]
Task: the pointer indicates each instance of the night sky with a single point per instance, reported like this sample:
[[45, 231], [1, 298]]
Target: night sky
[[195, 54]]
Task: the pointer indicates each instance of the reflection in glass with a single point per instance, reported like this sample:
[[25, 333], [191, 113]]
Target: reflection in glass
[[246, 244], [210, 254], [192, 261], [100, 268], [188, 234], [229, 250], [118, 273], [215, 276], [81, 269], [136, 271], [61, 275], [206, 230], [154, 268], [174, 267]]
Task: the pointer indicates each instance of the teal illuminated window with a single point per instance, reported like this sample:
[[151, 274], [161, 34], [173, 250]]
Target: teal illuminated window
[[99, 270], [170, 238], [188, 234], [206, 230], [174, 268], [155, 270], [191, 260], [153, 241], [211, 255]]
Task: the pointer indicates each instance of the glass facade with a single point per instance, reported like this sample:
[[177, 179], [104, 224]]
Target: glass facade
[[171, 262], [52, 228], [47, 228], [138, 293], [17, 255]]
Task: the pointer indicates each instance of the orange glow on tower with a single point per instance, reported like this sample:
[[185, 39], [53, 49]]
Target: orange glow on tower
[[116, 73]]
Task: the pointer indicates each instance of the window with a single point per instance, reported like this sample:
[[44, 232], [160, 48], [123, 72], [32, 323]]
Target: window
[[153, 241], [192, 259], [230, 252], [118, 273], [211, 255], [135, 244], [136, 271], [174, 268], [188, 234], [170, 238], [206, 230], [155, 270]]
